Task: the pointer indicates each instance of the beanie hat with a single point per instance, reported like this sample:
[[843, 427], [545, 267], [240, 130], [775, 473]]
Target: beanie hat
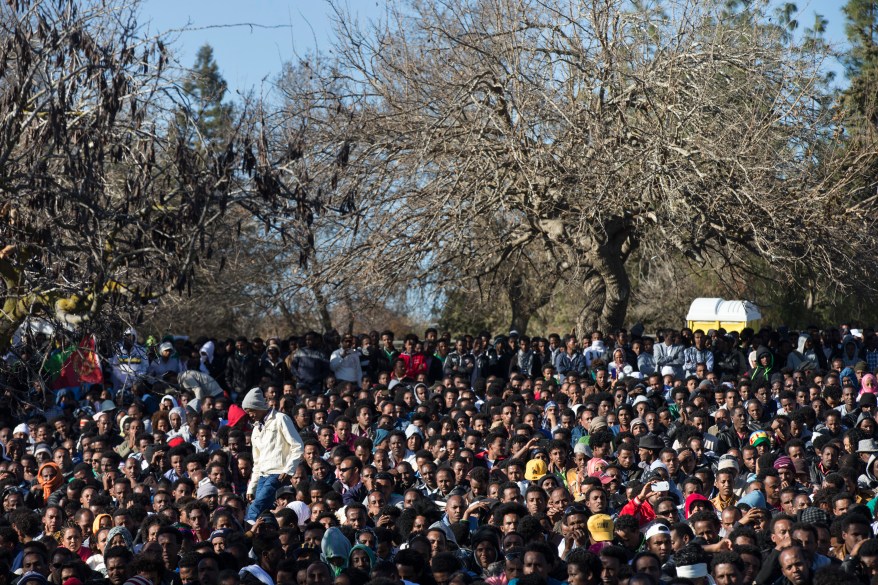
[[754, 499], [255, 400], [783, 462], [597, 423], [206, 489], [138, 580]]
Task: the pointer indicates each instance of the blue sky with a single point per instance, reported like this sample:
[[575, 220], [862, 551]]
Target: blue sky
[[250, 57]]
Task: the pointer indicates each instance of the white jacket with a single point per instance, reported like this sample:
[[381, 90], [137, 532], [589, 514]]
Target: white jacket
[[277, 447], [346, 368]]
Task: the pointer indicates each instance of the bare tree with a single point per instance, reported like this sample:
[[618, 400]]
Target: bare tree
[[592, 129], [103, 209]]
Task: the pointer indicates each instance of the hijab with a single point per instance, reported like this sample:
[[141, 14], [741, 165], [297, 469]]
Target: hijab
[[121, 530]]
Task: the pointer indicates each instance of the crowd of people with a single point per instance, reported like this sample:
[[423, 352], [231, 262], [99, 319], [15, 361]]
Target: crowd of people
[[684, 458]]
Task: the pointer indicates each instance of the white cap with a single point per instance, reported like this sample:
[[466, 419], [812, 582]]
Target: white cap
[[655, 529], [667, 370], [21, 428]]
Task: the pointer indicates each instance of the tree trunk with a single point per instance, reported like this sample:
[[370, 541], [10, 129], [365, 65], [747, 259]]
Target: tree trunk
[[520, 317], [607, 294], [526, 297], [322, 310]]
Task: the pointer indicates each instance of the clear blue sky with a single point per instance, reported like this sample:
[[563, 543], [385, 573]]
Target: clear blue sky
[[249, 56]]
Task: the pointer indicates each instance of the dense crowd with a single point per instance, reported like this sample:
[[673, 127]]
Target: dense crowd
[[687, 458]]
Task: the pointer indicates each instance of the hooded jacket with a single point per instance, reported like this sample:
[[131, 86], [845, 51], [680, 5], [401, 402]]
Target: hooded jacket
[[761, 373], [335, 545], [694, 497], [868, 481], [850, 352], [369, 552]]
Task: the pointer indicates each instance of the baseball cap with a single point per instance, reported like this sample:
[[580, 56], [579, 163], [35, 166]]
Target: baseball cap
[[600, 527], [759, 438], [535, 469]]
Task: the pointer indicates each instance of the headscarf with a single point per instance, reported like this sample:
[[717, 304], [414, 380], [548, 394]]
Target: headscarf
[[303, 512], [129, 542], [96, 525], [868, 378], [52, 484], [380, 435], [594, 464], [179, 411], [335, 545], [171, 399]]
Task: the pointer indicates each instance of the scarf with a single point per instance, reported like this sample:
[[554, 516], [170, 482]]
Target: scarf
[[51, 485]]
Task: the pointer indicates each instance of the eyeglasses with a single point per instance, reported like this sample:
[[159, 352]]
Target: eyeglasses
[[512, 556], [344, 469], [668, 512]]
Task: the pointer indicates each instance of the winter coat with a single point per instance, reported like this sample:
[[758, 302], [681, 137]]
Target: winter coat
[[241, 372], [309, 366], [278, 372]]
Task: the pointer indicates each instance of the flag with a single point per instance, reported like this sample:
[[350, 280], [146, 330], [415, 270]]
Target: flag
[[83, 366]]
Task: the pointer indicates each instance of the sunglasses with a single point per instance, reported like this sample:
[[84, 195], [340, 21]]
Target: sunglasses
[[574, 509]]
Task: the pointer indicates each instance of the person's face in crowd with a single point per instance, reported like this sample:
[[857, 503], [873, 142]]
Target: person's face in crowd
[[376, 501], [71, 539], [649, 566], [558, 501], [170, 550], [660, 544], [610, 571], [245, 468], [727, 574], [325, 436], [829, 457], [780, 534], [52, 519], [197, 519], [794, 566], [355, 518], [597, 501], [707, 530], [117, 570], [208, 571], [668, 511], [855, 534], [318, 574], [535, 563], [748, 455]]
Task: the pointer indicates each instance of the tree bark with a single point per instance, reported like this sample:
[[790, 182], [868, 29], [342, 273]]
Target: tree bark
[[606, 293], [526, 297], [322, 310]]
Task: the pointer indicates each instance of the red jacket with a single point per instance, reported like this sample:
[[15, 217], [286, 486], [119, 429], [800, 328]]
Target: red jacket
[[415, 364], [642, 511]]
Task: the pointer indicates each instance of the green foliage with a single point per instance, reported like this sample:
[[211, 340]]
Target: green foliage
[[861, 60], [468, 312], [206, 89]]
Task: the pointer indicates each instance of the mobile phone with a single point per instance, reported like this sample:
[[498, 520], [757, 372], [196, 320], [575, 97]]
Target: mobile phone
[[660, 486]]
